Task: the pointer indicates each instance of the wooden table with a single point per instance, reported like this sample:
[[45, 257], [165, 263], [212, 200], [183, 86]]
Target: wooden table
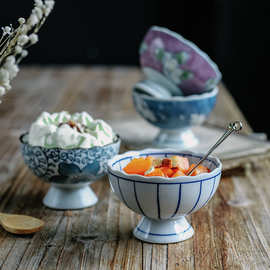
[[231, 232]]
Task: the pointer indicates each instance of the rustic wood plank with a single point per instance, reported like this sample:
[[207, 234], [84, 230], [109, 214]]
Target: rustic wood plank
[[23, 197], [56, 254], [121, 245], [36, 93], [226, 110], [180, 255], [239, 243], [231, 232]]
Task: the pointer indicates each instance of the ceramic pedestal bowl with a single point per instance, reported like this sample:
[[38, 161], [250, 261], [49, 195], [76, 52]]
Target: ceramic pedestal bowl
[[69, 171], [175, 116], [176, 63], [163, 202]]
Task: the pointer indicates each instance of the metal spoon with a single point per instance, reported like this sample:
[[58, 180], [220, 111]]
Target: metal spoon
[[20, 224], [233, 126]]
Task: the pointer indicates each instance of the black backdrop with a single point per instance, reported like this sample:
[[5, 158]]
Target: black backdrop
[[235, 33]]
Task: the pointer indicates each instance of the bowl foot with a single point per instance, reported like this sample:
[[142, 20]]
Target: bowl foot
[[180, 138], [70, 197], [163, 231]]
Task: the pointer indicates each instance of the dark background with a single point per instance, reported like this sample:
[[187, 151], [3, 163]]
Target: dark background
[[235, 34]]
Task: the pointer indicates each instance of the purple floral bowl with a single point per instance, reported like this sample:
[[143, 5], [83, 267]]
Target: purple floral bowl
[[176, 63]]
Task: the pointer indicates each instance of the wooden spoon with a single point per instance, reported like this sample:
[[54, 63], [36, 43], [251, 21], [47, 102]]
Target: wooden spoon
[[20, 224]]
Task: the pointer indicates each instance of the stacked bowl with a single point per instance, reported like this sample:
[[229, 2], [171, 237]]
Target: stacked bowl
[[179, 90]]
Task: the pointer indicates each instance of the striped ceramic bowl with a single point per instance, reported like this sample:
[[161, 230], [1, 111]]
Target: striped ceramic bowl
[[163, 202]]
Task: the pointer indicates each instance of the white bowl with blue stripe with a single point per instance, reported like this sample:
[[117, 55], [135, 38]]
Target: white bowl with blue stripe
[[163, 202]]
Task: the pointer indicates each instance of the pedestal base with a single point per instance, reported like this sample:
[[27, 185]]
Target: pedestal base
[[70, 197], [163, 231], [180, 138]]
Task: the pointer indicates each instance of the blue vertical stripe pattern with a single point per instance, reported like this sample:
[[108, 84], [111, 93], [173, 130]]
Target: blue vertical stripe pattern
[[214, 183], [158, 202], [179, 200], [121, 193], [136, 198], [199, 196], [120, 166], [202, 196], [163, 234]]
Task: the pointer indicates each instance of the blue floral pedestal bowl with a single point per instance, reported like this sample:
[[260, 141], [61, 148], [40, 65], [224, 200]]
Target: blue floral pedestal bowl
[[70, 171], [175, 116]]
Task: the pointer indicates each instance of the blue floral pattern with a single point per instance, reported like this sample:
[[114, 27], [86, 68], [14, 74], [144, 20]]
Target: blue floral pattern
[[71, 173], [68, 166], [175, 113]]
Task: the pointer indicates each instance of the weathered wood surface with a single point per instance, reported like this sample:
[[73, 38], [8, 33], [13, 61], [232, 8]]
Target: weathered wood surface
[[231, 232]]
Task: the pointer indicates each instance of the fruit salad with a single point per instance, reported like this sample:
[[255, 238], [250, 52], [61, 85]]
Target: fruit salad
[[170, 167]]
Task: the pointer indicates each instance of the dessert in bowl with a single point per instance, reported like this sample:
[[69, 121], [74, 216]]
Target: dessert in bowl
[[175, 116], [70, 152], [163, 202]]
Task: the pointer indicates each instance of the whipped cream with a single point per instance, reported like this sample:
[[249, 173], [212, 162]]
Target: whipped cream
[[69, 131]]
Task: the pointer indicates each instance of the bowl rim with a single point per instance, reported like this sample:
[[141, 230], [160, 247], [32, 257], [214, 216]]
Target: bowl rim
[[160, 179], [22, 141], [213, 92], [190, 44]]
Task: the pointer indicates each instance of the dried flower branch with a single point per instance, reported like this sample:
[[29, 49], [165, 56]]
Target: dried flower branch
[[14, 42]]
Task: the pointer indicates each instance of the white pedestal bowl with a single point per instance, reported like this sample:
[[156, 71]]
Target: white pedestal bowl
[[163, 202]]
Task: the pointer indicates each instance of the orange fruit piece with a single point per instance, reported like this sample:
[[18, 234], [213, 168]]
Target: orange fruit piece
[[150, 158], [167, 171], [200, 169], [138, 166], [178, 173], [180, 162], [166, 162], [157, 162], [156, 172]]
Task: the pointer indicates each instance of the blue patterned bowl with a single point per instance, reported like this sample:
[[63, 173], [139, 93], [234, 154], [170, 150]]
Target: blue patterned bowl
[[164, 202], [175, 116], [69, 171], [176, 63]]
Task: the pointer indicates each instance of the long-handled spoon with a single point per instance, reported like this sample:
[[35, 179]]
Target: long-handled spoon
[[233, 126], [20, 224]]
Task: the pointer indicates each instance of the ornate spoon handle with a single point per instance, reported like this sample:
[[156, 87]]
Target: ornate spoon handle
[[233, 126]]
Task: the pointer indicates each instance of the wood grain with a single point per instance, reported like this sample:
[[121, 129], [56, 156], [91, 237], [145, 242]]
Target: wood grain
[[231, 232]]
